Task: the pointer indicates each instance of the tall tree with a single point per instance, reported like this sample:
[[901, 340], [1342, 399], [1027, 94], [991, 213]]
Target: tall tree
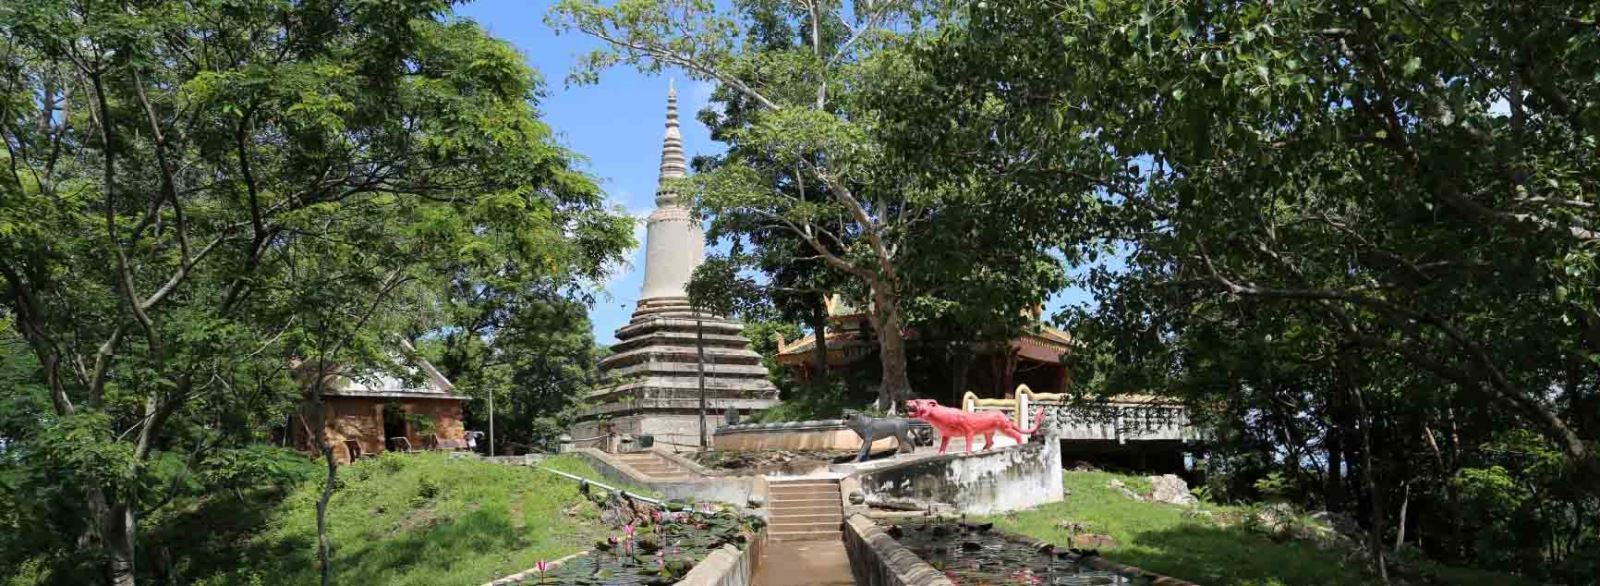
[[1374, 223], [813, 153], [182, 178]]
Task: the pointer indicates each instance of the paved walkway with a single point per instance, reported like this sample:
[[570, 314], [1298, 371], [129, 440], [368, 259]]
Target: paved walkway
[[804, 563]]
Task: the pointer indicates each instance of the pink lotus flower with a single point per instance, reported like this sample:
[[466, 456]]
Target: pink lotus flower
[[541, 566], [628, 529]]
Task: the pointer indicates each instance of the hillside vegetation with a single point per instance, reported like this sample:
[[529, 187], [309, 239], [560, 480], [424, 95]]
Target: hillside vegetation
[[1206, 544], [424, 519]]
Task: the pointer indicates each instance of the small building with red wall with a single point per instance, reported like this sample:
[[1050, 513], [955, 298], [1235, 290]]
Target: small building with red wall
[[365, 412]]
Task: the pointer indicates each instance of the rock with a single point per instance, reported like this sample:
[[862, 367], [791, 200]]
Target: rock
[[1093, 541], [1198, 513], [970, 546], [1170, 489], [857, 497], [1273, 519], [1123, 488], [1344, 524], [894, 531], [756, 502]]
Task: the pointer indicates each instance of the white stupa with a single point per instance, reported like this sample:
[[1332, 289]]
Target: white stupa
[[650, 384]]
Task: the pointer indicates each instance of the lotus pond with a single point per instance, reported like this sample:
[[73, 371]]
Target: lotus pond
[[974, 554], [652, 545]]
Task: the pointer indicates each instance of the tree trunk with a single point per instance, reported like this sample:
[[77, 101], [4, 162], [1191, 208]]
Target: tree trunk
[[1400, 528], [324, 549], [819, 350], [120, 533], [1368, 477], [961, 362], [895, 387]]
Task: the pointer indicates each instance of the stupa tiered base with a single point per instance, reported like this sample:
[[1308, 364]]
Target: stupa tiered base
[[650, 382]]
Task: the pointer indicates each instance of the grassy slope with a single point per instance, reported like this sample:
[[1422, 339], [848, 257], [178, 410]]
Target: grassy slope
[[423, 519], [1158, 538]]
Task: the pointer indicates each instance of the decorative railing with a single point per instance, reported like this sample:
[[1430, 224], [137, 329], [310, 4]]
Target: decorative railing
[[1114, 420]]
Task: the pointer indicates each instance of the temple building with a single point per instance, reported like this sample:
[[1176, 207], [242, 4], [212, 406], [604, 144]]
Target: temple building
[[1032, 358], [650, 383]]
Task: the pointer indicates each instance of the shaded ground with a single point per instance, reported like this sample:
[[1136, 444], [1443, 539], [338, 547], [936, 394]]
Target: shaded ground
[[1206, 549]]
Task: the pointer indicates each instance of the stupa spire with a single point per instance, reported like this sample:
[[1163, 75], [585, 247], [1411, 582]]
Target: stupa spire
[[673, 164]]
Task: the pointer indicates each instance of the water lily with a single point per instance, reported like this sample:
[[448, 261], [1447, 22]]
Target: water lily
[[541, 566], [628, 529], [1026, 577]]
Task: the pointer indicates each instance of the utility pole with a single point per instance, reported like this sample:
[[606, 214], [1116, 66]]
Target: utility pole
[[700, 348]]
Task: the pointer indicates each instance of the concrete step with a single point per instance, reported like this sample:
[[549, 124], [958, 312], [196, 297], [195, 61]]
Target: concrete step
[[780, 502], [806, 510], [833, 517], [801, 492], [655, 467], [805, 535], [800, 483], [787, 527]]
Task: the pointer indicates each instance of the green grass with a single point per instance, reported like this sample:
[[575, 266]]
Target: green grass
[[1159, 538], [423, 519]]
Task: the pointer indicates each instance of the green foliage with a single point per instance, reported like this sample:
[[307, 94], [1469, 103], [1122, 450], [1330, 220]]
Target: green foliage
[[532, 351], [828, 183], [255, 467], [1273, 487], [197, 197], [1350, 236], [418, 519], [1214, 547]]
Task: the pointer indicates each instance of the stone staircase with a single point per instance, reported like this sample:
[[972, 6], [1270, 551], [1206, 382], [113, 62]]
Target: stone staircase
[[657, 467], [805, 509]]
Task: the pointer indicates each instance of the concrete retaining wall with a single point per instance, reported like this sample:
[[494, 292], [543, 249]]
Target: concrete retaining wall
[[980, 483], [878, 560], [728, 565], [739, 491]]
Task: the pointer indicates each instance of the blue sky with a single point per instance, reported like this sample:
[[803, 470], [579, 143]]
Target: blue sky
[[616, 126]]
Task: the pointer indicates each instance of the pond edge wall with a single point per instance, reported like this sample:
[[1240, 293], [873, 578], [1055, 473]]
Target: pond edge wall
[[982, 482], [729, 565], [878, 560]]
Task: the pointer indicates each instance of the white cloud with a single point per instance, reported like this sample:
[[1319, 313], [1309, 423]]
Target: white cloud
[[620, 272]]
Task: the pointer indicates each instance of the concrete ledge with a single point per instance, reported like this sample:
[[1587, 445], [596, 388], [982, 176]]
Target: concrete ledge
[[686, 463], [979, 483], [729, 565], [531, 574], [878, 560], [824, 434]]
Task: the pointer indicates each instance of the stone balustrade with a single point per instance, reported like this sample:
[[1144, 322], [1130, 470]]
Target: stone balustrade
[[1119, 419]]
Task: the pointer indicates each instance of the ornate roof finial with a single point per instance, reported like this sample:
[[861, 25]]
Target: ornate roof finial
[[673, 165]]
